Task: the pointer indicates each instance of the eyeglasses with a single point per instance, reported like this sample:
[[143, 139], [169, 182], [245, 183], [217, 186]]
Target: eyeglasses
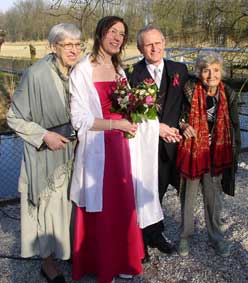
[[69, 46], [115, 32]]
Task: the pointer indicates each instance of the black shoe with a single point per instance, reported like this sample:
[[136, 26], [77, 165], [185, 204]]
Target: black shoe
[[161, 244], [58, 279], [69, 260], [147, 258]]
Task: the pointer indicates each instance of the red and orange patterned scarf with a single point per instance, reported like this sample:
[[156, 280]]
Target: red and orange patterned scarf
[[194, 155]]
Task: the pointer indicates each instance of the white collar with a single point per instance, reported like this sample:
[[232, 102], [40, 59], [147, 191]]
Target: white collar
[[152, 67]]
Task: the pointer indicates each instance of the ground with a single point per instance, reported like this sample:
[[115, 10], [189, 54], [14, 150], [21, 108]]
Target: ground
[[201, 266]]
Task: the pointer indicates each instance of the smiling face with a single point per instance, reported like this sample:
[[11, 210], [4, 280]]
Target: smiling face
[[113, 39], [211, 76], [153, 45], [66, 55]]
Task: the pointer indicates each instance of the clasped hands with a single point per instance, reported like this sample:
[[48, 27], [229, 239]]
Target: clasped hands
[[169, 134]]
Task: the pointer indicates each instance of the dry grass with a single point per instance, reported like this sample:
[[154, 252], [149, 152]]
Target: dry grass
[[21, 49]]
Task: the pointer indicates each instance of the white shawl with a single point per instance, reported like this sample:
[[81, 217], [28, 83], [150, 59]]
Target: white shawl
[[87, 179]]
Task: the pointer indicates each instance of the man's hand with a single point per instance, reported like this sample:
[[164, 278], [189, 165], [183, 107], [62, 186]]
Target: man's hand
[[55, 141], [169, 134]]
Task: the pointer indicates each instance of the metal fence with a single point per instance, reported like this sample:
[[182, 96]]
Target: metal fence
[[11, 147], [243, 117]]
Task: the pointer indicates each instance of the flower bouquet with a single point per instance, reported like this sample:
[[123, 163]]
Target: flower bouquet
[[135, 104]]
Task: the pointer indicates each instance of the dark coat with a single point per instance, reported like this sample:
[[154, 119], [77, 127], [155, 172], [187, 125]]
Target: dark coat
[[170, 98], [228, 179]]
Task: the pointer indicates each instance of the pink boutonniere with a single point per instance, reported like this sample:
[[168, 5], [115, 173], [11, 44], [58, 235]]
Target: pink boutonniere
[[176, 80]]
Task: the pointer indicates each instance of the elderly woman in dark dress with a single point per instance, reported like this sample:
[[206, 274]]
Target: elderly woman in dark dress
[[40, 102], [208, 153]]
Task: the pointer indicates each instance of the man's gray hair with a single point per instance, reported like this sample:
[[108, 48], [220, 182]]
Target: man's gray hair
[[144, 30], [206, 58], [61, 31]]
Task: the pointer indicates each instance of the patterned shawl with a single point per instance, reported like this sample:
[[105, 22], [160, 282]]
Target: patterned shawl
[[195, 156]]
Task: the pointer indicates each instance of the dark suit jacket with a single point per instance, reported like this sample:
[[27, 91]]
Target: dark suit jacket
[[170, 97]]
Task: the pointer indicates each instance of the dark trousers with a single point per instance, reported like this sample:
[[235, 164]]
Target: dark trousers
[[167, 175]]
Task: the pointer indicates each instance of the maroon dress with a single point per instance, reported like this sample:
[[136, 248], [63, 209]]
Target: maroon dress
[[110, 242]]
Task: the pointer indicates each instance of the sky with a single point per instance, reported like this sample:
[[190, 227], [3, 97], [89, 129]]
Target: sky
[[6, 4]]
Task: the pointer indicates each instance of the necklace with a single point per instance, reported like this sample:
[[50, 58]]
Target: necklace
[[108, 65]]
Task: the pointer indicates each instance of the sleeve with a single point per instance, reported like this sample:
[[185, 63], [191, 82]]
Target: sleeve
[[234, 115], [82, 118], [19, 116], [184, 117]]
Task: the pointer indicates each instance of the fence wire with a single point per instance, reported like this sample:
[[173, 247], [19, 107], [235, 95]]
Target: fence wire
[[243, 118], [11, 148]]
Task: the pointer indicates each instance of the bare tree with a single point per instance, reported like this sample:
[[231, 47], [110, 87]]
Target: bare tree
[[82, 11]]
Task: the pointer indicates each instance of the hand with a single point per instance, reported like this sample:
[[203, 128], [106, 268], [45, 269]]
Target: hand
[[189, 132], [169, 134], [55, 141], [125, 126]]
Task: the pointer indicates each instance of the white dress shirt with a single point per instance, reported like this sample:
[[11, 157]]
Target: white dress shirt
[[151, 69]]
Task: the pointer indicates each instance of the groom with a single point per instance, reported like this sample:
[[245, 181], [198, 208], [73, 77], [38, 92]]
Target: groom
[[170, 78]]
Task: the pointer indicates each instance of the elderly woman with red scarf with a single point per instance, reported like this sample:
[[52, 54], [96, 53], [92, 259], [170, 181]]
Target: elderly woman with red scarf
[[207, 154]]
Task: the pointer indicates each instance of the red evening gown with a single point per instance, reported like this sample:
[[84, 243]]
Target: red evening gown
[[110, 242]]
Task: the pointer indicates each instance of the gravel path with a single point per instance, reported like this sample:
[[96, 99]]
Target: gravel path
[[201, 266]]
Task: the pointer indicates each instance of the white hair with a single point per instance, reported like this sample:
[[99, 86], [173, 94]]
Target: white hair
[[61, 31]]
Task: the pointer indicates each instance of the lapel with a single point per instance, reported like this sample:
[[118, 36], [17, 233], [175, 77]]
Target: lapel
[[170, 94], [142, 72]]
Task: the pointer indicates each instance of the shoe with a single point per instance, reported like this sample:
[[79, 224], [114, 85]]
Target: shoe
[[58, 279], [161, 244], [126, 276], [147, 258], [183, 247], [223, 248], [69, 260]]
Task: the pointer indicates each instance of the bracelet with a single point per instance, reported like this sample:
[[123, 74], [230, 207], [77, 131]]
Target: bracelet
[[110, 124]]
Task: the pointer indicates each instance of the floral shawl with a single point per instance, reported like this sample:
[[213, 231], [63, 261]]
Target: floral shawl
[[195, 156]]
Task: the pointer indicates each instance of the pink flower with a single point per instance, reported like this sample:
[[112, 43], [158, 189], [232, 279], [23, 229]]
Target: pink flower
[[176, 80], [149, 100]]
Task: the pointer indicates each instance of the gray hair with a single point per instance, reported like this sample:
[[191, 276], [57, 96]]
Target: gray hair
[[61, 31], [206, 58], [144, 30]]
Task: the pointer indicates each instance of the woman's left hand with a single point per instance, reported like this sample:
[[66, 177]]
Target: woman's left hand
[[189, 132], [125, 126]]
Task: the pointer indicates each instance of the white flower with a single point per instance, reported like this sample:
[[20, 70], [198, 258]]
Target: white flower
[[142, 91], [151, 90]]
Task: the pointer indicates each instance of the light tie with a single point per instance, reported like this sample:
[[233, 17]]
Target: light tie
[[157, 77]]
